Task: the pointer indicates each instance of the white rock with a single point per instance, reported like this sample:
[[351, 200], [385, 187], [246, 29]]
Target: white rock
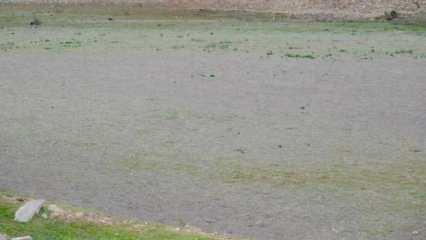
[[23, 238], [26, 212], [79, 214], [54, 210], [3, 237]]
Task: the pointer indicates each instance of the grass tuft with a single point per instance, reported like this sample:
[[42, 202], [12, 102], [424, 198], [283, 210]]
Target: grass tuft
[[54, 229], [307, 56]]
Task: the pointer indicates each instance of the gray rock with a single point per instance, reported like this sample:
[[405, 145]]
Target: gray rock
[[3, 237], [22, 238], [26, 212]]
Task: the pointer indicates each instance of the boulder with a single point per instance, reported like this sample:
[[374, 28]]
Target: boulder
[[27, 211]]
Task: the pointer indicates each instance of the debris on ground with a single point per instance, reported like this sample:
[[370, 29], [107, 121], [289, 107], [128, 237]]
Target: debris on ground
[[22, 238], [4, 237]]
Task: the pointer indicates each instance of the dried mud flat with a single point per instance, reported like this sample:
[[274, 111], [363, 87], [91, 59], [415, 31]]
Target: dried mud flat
[[258, 130]]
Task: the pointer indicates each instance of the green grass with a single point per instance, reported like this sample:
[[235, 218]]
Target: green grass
[[296, 55], [51, 229]]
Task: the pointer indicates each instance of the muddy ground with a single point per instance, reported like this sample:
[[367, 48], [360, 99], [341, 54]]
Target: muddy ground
[[255, 129]]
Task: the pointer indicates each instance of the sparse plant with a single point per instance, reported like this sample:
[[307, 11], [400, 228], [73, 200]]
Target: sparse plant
[[35, 22], [308, 56]]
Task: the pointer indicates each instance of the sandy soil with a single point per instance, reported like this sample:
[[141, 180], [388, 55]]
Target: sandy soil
[[239, 142]]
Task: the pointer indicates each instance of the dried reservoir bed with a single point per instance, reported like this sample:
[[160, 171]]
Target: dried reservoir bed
[[259, 129]]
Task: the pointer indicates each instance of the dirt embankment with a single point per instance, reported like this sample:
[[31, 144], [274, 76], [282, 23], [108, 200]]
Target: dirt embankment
[[324, 9]]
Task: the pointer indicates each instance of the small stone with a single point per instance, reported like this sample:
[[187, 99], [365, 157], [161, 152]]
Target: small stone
[[391, 15], [27, 211], [260, 224], [79, 215], [54, 210], [22, 238]]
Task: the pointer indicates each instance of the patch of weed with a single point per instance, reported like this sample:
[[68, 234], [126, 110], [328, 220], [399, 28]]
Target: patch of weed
[[53, 229], [70, 44], [35, 22], [7, 46], [296, 55], [404, 51], [219, 45]]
